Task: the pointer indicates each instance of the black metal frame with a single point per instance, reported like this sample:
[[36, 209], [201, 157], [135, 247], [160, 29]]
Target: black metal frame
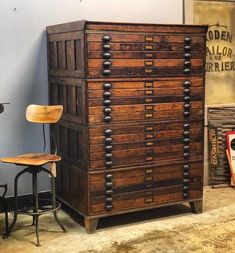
[[36, 210], [5, 208]]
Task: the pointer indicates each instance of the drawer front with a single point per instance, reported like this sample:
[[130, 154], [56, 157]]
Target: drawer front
[[148, 185], [140, 91], [161, 150], [119, 54], [127, 113], [140, 133]]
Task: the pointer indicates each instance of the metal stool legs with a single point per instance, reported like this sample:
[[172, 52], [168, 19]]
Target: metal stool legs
[[37, 210], [5, 209]]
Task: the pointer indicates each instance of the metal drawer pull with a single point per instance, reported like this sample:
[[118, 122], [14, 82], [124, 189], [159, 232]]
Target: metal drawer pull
[[148, 84], [149, 38], [148, 71], [148, 100], [149, 136], [149, 200], [149, 92], [149, 178], [149, 56], [148, 115], [149, 107], [149, 143], [148, 171], [148, 128], [149, 158], [148, 63], [149, 47]]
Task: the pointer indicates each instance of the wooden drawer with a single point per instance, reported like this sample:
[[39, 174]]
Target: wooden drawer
[[145, 132], [148, 185], [149, 91], [130, 154], [127, 113]]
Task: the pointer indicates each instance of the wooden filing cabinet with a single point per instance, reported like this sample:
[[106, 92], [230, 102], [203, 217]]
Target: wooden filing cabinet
[[131, 135]]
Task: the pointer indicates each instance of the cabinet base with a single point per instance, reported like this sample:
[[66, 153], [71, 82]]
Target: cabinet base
[[90, 225], [196, 206]]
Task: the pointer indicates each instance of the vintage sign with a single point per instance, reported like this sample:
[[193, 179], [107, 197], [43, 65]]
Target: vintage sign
[[220, 52]]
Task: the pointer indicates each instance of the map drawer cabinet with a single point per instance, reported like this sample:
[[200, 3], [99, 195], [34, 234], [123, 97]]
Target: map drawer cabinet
[[131, 135]]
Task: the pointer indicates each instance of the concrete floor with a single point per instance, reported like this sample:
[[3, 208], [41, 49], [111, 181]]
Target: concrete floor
[[165, 230]]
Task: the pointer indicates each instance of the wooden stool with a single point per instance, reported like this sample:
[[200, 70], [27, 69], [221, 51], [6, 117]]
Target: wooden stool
[[34, 163]]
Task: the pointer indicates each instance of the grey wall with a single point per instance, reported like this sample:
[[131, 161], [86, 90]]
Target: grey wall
[[23, 60]]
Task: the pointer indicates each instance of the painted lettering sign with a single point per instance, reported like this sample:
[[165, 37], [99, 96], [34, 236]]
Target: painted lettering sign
[[219, 50]]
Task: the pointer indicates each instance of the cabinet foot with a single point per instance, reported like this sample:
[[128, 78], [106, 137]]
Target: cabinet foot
[[196, 206], [90, 225]]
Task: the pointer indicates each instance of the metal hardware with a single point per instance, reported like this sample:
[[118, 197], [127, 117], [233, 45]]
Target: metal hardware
[[187, 106], [108, 148], [149, 92], [108, 156], [149, 178], [148, 63], [106, 72], [148, 128], [149, 107], [185, 195], [186, 155], [187, 92], [149, 158], [148, 47], [107, 86], [149, 136], [108, 164], [149, 56], [187, 56], [187, 140], [107, 64], [187, 84], [186, 167], [109, 199], [107, 119], [185, 181], [107, 110], [186, 126], [187, 148], [149, 143], [185, 188], [148, 100], [148, 171], [108, 132], [108, 140], [109, 207], [109, 192], [187, 48], [109, 185], [107, 102], [187, 64], [187, 98], [106, 47], [106, 38], [148, 71], [148, 84], [149, 38], [109, 177], [188, 40], [187, 71], [186, 114], [149, 115], [186, 174], [149, 200], [186, 133], [106, 55]]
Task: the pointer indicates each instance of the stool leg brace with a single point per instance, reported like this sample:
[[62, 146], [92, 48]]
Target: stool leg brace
[[5, 209], [34, 170]]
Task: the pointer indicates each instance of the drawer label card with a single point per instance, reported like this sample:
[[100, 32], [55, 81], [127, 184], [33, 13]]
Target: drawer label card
[[148, 100], [148, 84], [149, 136], [148, 128], [149, 47], [148, 115], [149, 143], [149, 38], [148, 63], [149, 92], [149, 56]]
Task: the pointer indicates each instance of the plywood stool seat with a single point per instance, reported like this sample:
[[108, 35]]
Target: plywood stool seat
[[37, 159], [34, 163]]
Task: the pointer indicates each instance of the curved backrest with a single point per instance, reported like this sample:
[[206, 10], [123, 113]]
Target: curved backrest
[[44, 113]]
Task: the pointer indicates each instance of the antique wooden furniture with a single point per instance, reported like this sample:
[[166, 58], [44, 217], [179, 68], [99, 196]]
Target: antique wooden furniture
[[131, 135], [35, 162], [4, 187]]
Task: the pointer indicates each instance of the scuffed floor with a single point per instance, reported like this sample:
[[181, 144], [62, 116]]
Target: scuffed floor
[[165, 230]]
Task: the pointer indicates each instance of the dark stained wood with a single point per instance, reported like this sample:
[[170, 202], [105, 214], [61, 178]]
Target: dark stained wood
[[196, 206], [131, 135]]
